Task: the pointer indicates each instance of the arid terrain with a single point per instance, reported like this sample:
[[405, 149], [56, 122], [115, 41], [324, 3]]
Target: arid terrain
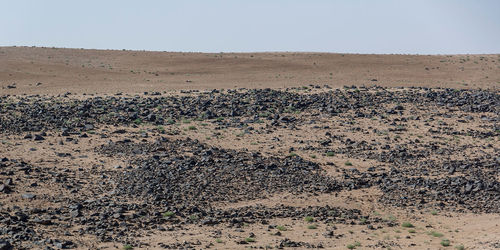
[[57, 71], [161, 150]]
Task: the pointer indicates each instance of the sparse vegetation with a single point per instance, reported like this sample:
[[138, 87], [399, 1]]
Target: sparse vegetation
[[168, 214], [436, 234], [313, 226], [445, 243], [128, 247], [391, 217], [309, 219], [281, 228], [249, 239], [138, 121], [407, 224], [265, 114]]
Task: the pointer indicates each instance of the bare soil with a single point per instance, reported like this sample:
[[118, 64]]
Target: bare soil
[[111, 71], [407, 158]]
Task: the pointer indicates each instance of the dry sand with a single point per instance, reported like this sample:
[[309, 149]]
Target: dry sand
[[110, 71]]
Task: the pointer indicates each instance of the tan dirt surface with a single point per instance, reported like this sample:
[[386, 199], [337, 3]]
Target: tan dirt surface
[[391, 166], [110, 71]]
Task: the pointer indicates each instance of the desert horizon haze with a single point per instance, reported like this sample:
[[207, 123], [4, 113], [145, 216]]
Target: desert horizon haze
[[381, 27]]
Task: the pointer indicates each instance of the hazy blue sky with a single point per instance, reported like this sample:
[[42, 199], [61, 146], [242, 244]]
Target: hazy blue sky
[[350, 26]]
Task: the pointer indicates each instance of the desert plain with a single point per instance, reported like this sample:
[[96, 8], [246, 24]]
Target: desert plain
[[119, 149]]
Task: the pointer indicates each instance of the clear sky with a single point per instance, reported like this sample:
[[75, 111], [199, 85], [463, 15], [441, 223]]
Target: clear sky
[[350, 26]]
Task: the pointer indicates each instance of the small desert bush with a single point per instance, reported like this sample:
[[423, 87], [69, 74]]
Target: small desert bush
[[445, 243], [407, 224], [168, 214], [436, 234]]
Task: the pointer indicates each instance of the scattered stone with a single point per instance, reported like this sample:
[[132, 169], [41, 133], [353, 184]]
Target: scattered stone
[[39, 138], [28, 196], [4, 188], [5, 245]]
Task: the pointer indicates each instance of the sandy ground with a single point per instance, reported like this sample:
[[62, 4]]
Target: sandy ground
[[54, 71], [110, 71]]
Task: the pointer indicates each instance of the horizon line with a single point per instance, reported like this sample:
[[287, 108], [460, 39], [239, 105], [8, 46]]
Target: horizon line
[[242, 52]]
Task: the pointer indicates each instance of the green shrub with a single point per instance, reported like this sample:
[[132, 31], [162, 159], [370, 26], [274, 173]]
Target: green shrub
[[436, 234], [168, 214], [407, 224], [249, 239], [160, 129], [138, 121], [445, 243]]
